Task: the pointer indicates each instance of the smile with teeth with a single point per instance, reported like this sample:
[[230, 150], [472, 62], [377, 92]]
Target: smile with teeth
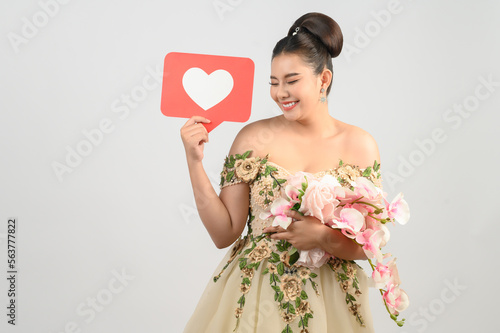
[[289, 105]]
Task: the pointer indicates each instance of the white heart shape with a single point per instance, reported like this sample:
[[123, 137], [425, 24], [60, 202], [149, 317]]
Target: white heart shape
[[207, 90]]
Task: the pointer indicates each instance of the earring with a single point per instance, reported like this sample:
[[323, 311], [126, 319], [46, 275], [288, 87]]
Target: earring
[[322, 99]]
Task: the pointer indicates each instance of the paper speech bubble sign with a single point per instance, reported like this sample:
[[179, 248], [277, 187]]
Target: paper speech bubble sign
[[216, 87]]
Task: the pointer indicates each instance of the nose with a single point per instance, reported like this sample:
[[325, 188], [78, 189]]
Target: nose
[[282, 92]]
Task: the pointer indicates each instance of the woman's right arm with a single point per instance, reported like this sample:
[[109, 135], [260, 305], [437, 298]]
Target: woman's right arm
[[224, 216]]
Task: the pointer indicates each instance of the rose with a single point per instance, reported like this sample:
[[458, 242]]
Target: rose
[[348, 173], [247, 169], [260, 252], [319, 199], [290, 285]]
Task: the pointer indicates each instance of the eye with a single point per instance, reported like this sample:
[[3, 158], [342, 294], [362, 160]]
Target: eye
[[292, 82], [273, 84]]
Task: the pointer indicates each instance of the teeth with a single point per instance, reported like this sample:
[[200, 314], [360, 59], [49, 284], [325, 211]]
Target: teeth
[[289, 104]]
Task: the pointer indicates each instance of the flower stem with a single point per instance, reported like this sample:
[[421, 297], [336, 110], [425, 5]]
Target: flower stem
[[393, 317]]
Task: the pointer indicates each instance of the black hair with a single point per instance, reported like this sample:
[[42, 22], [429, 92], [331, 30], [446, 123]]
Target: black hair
[[317, 40]]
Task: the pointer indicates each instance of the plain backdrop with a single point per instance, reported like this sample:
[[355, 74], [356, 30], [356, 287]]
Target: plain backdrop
[[115, 244]]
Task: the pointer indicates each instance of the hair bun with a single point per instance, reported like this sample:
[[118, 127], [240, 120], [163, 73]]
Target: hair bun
[[323, 28]]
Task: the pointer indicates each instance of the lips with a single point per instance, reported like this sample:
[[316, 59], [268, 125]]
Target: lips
[[289, 105]]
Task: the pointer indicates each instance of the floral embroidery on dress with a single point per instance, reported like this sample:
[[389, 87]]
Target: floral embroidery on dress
[[252, 170], [348, 282], [240, 168], [287, 280]]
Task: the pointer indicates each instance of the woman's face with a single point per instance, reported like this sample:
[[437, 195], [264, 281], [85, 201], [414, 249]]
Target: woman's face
[[294, 86]]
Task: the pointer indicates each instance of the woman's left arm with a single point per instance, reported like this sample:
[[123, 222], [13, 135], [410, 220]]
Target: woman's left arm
[[307, 233]]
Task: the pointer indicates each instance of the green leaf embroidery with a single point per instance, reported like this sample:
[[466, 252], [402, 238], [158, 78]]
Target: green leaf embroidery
[[243, 262], [294, 257], [367, 172], [275, 257], [281, 268], [229, 176]]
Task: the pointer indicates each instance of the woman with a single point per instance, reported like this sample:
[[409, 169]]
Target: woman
[[258, 288]]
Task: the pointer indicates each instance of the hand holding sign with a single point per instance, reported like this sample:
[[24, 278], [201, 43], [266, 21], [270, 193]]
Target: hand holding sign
[[218, 88], [194, 136]]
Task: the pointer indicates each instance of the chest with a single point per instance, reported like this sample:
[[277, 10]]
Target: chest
[[296, 155]]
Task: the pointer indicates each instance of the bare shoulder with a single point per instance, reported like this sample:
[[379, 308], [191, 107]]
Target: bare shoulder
[[248, 137], [362, 147]]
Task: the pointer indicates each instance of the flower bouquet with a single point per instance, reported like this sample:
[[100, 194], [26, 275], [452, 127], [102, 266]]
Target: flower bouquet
[[359, 209]]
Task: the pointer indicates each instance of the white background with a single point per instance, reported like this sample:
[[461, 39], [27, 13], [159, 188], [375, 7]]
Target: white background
[[128, 206]]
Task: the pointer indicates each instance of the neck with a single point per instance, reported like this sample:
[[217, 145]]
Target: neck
[[317, 124]]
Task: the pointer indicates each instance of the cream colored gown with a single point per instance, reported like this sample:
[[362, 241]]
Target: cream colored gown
[[254, 289]]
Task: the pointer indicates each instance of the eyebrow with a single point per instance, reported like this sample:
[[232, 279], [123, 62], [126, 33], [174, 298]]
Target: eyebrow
[[286, 76]]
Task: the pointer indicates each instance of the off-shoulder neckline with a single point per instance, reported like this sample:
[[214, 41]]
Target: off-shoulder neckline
[[314, 173], [311, 173], [266, 157]]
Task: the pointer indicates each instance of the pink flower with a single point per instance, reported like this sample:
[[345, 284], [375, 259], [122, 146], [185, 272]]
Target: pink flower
[[298, 178], [371, 240], [385, 233], [366, 188], [319, 199], [396, 299], [279, 208], [398, 209], [381, 275], [384, 275], [292, 193], [314, 258], [350, 222]]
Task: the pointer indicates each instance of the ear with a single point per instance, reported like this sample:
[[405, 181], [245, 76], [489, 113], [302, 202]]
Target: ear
[[326, 78]]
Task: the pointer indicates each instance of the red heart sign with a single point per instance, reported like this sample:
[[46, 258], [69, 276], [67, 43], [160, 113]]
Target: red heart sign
[[216, 87]]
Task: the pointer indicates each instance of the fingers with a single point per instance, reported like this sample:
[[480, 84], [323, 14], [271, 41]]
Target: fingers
[[281, 235], [293, 214], [197, 119], [192, 131], [274, 229]]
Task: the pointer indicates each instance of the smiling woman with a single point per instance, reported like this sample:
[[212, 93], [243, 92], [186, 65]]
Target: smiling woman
[[261, 285]]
